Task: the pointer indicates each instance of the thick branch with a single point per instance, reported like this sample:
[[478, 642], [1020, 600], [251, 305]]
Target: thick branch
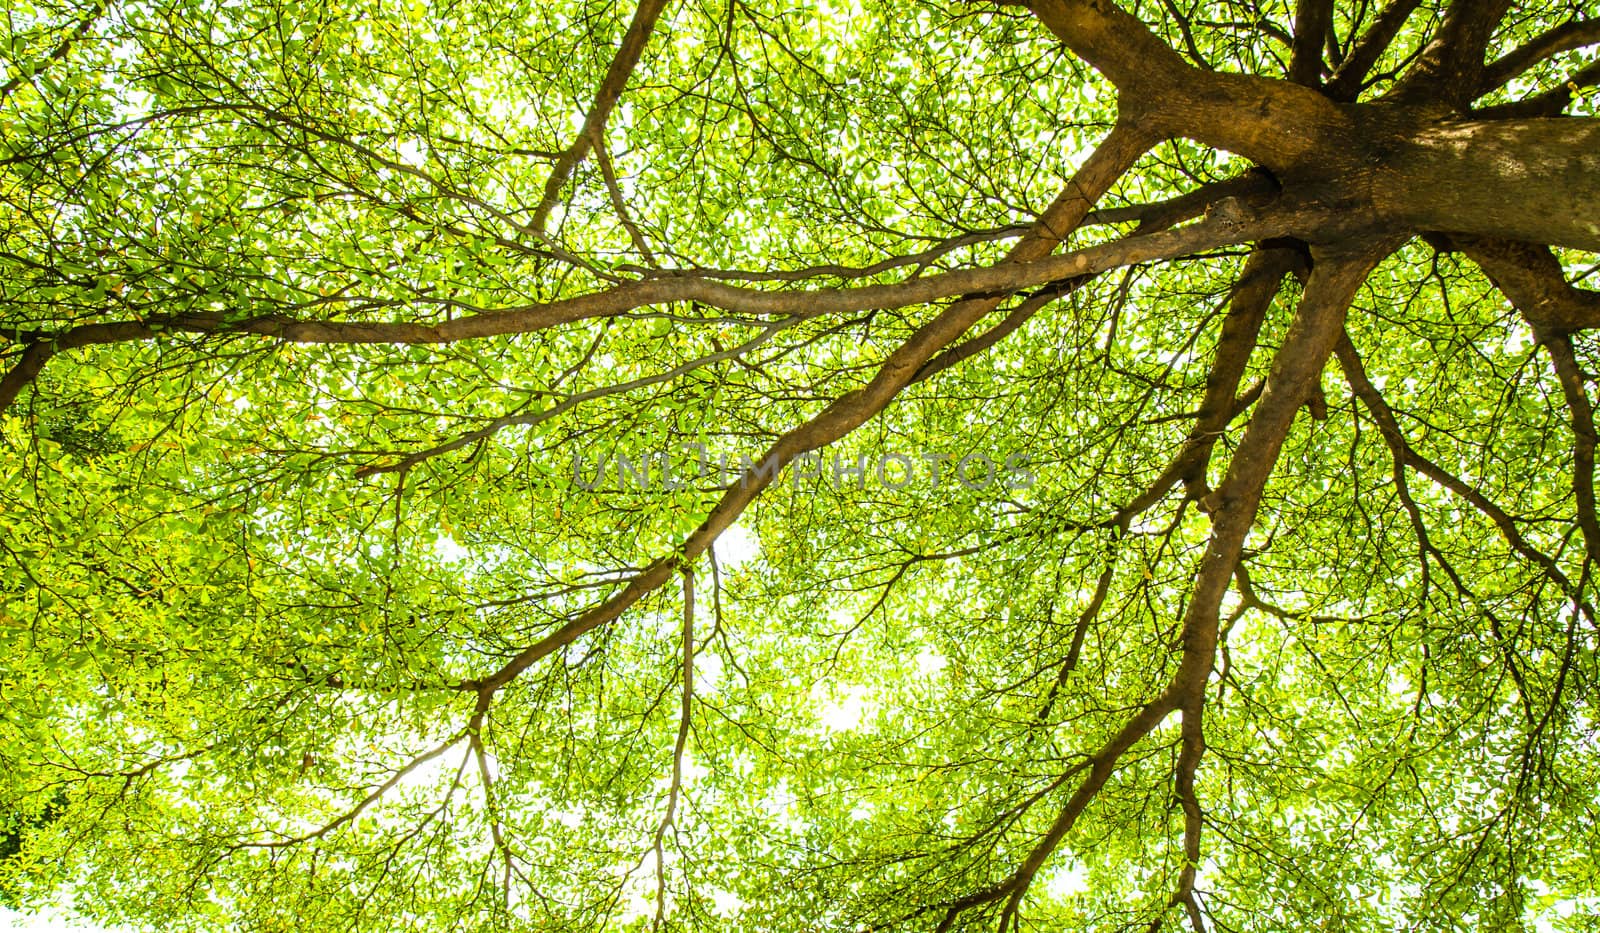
[[1530, 277], [1533, 180], [1403, 166], [1015, 886], [1276, 123], [1296, 370], [1451, 65], [1118, 45], [1001, 279], [1297, 367], [1313, 19], [610, 91], [1114, 156], [1550, 103], [1258, 284], [1251, 186], [1361, 386], [1564, 38], [1254, 186], [1583, 445], [1193, 749], [1349, 78]]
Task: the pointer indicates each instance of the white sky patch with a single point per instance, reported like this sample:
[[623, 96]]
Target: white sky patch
[[1518, 340], [1067, 881], [842, 709], [437, 772], [737, 545], [778, 800], [51, 920], [411, 151], [725, 903], [638, 889], [448, 549], [930, 663], [708, 667]]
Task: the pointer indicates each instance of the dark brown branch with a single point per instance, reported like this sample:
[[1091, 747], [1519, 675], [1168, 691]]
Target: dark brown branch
[[1243, 114], [1297, 368], [1080, 631], [1253, 294], [1389, 427], [1115, 155], [1349, 78], [1530, 277], [1400, 455], [30, 364], [1001, 279], [1192, 750], [685, 711], [1116, 44], [1551, 103], [1104, 763], [1313, 20], [614, 191], [1186, 29], [921, 258], [1332, 286], [1008, 325], [1583, 446], [1564, 38], [1253, 186], [1450, 67], [610, 91]]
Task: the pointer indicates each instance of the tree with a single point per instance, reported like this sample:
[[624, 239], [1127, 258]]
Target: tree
[[1161, 437]]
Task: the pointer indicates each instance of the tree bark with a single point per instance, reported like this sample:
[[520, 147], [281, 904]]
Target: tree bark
[[1408, 166]]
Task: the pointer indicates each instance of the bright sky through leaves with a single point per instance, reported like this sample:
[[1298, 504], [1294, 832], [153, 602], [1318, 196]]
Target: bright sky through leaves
[[1063, 465]]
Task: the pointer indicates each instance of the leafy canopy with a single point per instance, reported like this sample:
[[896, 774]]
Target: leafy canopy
[[327, 603]]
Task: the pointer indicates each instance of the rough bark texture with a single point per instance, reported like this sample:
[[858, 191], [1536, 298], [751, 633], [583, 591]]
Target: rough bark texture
[[1347, 166], [1410, 160]]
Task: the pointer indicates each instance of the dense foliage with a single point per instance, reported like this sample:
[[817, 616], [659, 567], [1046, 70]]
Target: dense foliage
[[1234, 568]]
